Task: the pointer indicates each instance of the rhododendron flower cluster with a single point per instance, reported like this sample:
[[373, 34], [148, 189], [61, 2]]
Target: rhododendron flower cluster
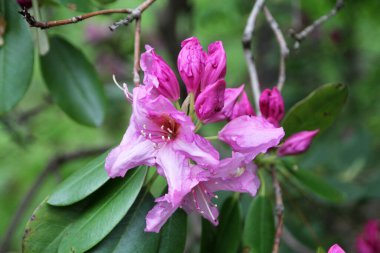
[[161, 134], [369, 240]]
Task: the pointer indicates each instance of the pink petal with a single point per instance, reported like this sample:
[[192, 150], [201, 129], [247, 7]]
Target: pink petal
[[211, 100], [157, 217], [297, 143], [215, 65], [336, 249], [251, 135]]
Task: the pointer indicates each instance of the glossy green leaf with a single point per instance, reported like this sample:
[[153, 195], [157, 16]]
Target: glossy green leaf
[[316, 111], [258, 235], [44, 231], [81, 183], [16, 56], [129, 235], [229, 231], [98, 220], [316, 185], [208, 237], [79, 5], [173, 234], [106, 1], [73, 83]]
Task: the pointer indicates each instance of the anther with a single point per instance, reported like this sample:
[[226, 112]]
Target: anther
[[162, 127], [169, 130], [163, 138]]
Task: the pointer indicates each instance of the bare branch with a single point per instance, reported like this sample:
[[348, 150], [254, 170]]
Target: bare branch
[[300, 36], [247, 42], [136, 65], [136, 14], [284, 51], [52, 166], [279, 211], [49, 24]]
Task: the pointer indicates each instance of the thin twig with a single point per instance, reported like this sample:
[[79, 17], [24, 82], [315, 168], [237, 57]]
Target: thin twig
[[300, 36], [136, 65], [51, 167], [247, 42], [49, 24], [279, 211], [135, 14], [284, 51]]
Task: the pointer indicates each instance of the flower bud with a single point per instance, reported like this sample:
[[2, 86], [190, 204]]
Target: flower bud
[[25, 3], [159, 75], [211, 100], [369, 240], [336, 249], [215, 64], [272, 105], [242, 107], [297, 143], [191, 63]]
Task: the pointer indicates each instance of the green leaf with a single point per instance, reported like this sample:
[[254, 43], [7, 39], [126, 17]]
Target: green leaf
[[16, 56], [208, 237], [173, 234], [229, 231], [81, 183], [106, 1], [316, 111], [45, 229], [79, 5], [73, 83], [258, 235], [129, 235], [321, 250], [99, 219], [315, 184]]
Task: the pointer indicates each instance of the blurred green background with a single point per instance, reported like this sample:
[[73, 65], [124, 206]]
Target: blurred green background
[[345, 49]]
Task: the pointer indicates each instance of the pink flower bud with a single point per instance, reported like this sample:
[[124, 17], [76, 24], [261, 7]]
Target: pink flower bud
[[211, 100], [336, 249], [242, 107], [272, 105], [369, 240], [191, 63], [25, 3], [215, 64], [297, 143], [159, 75]]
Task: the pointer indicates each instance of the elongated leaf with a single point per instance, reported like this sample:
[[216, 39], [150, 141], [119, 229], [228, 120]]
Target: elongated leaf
[[173, 234], [208, 237], [73, 83], [99, 219], [258, 235], [16, 56], [80, 184], [229, 230], [316, 185], [45, 229], [316, 111]]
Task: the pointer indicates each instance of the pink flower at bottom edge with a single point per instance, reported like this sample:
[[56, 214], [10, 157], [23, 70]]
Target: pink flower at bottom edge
[[336, 249]]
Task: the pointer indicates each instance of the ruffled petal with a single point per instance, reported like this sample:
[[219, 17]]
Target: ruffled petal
[[178, 173], [157, 217], [199, 200], [198, 149], [251, 135]]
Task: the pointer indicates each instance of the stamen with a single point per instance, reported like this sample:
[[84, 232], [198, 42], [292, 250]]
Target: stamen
[[169, 130], [144, 126], [150, 135], [162, 127], [163, 138]]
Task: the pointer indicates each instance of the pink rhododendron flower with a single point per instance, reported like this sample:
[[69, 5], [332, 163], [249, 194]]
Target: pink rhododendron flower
[[211, 100], [297, 143], [272, 105], [191, 61], [230, 175], [251, 135], [369, 240], [159, 75], [159, 134], [336, 249], [215, 65], [242, 107]]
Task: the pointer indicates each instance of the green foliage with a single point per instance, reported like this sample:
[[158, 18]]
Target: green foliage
[[16, 57], [321, 250], [80, 184], [316, 111], [79, 5], [80, 231], [73, 83], [226, 236]]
